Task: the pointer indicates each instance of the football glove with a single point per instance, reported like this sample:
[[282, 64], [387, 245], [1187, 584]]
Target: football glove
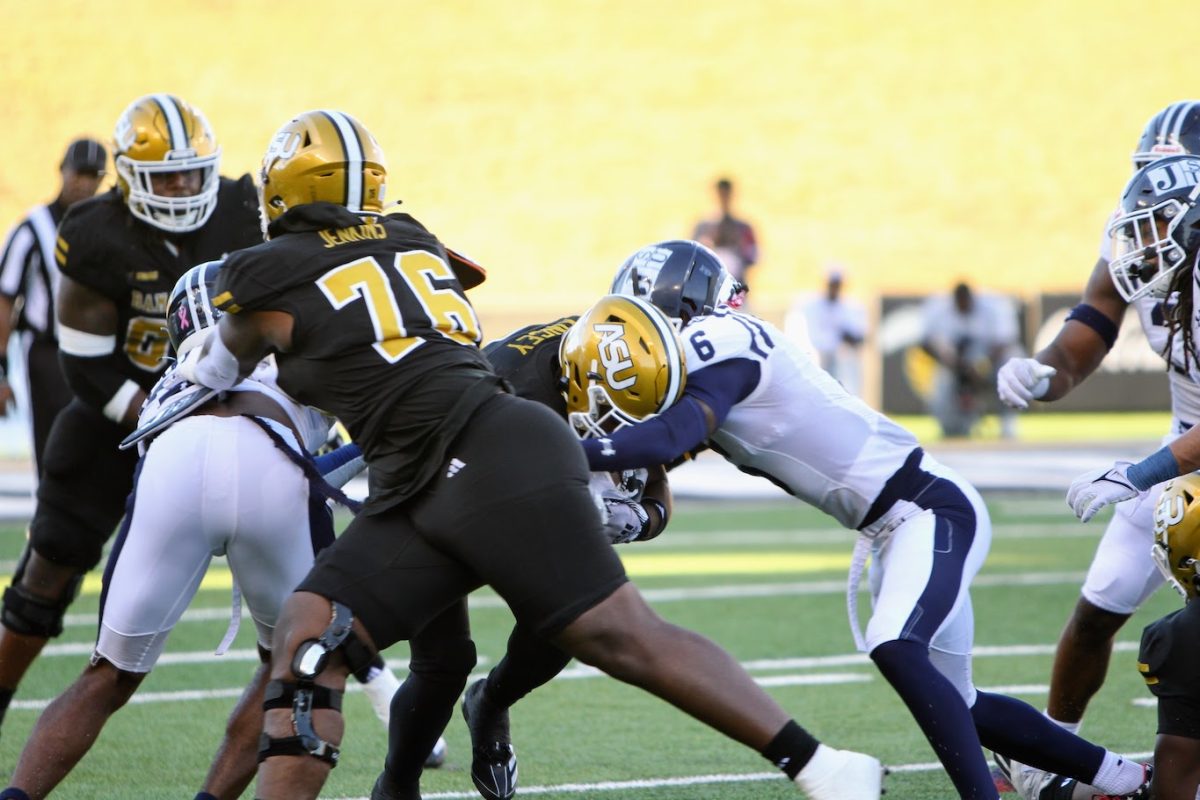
[[1021, 380], [624, 519], [1094, 490]]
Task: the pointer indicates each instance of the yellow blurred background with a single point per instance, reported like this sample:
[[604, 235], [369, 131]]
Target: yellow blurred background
[[915, 142]]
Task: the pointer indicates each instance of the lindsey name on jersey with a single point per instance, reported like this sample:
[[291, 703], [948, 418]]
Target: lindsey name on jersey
[[390, 341], [101, 246], [528, 359]]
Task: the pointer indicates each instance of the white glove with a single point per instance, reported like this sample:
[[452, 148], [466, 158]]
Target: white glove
[[186, 368], [1094, 490], [624, 519], [1021, 380]]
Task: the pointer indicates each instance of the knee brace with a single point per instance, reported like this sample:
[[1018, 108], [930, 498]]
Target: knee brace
[[303, 695], [30, 615]]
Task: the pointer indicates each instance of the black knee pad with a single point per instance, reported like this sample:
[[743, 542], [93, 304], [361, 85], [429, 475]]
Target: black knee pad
[[30, 615], [312, 655], [302, 697]]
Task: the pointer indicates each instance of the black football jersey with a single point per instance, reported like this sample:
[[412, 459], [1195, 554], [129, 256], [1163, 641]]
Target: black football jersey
[[1169, 660], [528, 359], [102, 246], [383, 336]]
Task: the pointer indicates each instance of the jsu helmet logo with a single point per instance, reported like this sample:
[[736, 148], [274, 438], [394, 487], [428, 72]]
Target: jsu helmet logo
[[614, 355], [1185, 172]]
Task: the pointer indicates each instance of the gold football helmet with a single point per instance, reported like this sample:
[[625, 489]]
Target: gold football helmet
[[157, 135], [1177, 534], [623, 363], [322, 155]]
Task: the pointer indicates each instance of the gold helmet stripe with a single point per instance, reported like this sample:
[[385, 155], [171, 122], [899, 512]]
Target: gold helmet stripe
[[352, 147], [176, 129], [670, 344]]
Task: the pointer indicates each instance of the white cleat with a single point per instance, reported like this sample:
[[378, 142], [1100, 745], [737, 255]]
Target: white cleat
[[841, 775], [1035, 784]]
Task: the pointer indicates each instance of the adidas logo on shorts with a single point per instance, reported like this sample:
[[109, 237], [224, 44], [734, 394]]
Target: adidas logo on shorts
[[454, 466]]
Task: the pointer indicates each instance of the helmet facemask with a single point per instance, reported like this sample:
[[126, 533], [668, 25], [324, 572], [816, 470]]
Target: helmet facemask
[[171, 214], [1145, 252]]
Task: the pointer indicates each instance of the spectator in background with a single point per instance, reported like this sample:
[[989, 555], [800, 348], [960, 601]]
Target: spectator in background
[[732, 238], [969, 336], [28, 282], [834, 327]]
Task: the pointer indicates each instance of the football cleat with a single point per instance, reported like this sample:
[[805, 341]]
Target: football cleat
[[1035, 784], [1140, 793], [841, 775], [493, 759], [385, 789], [437, 756]]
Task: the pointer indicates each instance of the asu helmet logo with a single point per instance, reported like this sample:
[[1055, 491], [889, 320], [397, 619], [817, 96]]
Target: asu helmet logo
[[614, 355]]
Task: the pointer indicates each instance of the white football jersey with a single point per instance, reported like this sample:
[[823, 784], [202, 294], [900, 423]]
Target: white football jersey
[[312, 424], [798, 427]]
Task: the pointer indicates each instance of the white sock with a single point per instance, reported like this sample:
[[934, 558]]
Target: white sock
[[1069, 727], [1118, 775]]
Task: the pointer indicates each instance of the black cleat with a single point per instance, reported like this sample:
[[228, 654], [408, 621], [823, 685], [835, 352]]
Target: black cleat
[[385, 789], [493, 759]]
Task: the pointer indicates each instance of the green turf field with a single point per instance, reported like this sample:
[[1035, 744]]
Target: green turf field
[[765, 580]]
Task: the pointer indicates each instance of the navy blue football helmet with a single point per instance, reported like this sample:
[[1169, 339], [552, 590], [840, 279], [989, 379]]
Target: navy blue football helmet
[[1156, 231], [681, 277], [1173, 131], [190, 309]]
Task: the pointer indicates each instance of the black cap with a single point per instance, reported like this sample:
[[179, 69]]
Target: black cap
[[85, 155]]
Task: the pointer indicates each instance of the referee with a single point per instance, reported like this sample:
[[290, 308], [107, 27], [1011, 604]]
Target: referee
[[28, 280]]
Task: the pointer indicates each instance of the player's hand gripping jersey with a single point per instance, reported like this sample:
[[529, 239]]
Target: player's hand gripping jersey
[[383, 337]]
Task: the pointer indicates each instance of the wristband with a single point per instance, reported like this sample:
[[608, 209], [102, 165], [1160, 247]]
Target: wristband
[[1097, 321], [1158, 467], [662, 519], [118, 405]]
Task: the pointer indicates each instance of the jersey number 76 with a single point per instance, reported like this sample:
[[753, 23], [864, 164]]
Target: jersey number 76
[[444, 309]]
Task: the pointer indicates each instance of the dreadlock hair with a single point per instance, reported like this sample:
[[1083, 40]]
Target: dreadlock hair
[[1177, 313]]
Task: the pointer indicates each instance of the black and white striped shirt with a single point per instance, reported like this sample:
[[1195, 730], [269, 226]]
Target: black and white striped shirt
[[28, 269]]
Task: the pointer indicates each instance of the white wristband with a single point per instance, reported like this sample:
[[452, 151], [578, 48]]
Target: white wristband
[[118, 405], [83, 344]]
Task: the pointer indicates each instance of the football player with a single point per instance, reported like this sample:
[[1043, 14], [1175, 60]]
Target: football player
[[367, 317], [771, 411], [119, 253], [536, 360], [1121, 576], [1169, 658], [231, 479]]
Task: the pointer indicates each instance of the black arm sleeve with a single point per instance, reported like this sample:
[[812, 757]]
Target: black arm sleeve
[[93, 380]]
